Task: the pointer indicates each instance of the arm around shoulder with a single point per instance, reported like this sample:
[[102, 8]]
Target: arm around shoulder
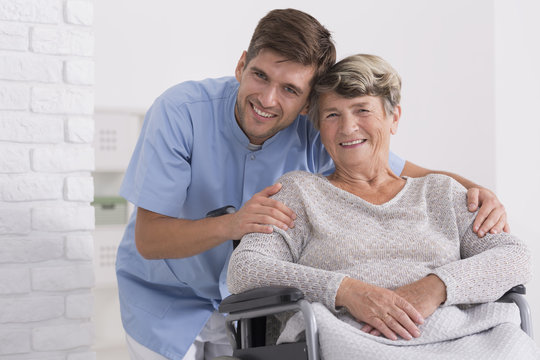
[[159, 236]]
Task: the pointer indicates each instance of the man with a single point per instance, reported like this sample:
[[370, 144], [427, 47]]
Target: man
[[222, 142]]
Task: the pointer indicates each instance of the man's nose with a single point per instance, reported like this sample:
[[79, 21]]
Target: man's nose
[[268, 97]]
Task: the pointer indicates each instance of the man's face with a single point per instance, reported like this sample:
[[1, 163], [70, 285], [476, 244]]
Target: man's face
[[273, 91]]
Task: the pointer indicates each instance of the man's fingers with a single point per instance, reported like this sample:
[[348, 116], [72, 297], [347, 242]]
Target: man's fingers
[[279, 206], [481, 216], [490, 217], [499, 226], [270, 190], [472, 199]]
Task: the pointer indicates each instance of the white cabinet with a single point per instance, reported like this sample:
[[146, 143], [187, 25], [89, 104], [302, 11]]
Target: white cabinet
[[115, 137]]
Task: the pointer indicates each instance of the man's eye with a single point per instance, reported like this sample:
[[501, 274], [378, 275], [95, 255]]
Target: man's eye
[[290, 90], [260, 75]]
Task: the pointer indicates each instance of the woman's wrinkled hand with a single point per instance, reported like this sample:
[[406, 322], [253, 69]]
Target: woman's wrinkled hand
[[382, 309], [426, 295]]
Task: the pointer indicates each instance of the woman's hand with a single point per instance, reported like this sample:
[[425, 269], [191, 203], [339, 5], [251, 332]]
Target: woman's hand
[[382, 309], [426, 295]]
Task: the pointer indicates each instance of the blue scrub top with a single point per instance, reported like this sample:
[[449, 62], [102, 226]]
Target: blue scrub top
[[192, 157]]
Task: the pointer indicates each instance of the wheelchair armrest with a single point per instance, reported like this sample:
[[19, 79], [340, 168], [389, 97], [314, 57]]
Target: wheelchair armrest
[[517, 295], [260, 297], [518, 289], [229, 209]]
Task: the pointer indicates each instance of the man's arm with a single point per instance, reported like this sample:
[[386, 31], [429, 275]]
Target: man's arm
[[163, 237], [491, 216]]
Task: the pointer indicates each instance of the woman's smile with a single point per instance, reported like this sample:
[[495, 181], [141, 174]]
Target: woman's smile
[[352, 143]]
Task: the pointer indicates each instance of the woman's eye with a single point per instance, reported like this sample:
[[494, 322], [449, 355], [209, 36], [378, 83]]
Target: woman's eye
[[331, 115]]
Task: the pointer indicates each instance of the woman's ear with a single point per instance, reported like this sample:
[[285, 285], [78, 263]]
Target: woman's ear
[[395, 119], [240, 66]]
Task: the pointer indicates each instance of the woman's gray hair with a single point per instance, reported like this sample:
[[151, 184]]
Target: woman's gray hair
[[358, 75]]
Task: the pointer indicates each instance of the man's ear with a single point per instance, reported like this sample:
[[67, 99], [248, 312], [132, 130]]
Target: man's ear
[[395, 119], [305, 109], [240, 66]]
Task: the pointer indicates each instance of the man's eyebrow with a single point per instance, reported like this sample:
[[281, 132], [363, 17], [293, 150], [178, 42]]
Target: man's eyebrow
[[256, 69], [295, 88], [292, 86]]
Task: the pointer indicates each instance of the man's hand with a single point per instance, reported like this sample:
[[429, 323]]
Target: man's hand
[[426, 295], [381, 309], [259, 212], [492, 216]]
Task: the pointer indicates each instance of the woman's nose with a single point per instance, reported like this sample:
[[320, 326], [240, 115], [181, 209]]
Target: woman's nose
[[348, 124]]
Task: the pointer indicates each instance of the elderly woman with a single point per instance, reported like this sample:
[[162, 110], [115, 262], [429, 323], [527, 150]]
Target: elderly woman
[[391, 263]]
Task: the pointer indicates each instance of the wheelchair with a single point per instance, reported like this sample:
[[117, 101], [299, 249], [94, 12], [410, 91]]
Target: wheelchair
[[249, 311]]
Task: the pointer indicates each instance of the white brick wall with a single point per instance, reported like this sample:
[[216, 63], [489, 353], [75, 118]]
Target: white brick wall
[[46, 159]]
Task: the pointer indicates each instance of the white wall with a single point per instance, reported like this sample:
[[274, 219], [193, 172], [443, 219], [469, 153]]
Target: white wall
[[518, 126], [444, 51], [46, 129], [449, 53]]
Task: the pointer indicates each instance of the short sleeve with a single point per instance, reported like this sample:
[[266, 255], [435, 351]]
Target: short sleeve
[[396, 163], [159, 172]]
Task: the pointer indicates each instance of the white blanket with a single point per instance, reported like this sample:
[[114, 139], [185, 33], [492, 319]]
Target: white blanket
[[486, 331]]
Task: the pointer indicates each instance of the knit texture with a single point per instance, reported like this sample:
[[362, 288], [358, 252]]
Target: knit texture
[[426, 228]]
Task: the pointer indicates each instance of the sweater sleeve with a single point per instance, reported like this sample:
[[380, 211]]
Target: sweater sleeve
[[489, 266], [271, 259]]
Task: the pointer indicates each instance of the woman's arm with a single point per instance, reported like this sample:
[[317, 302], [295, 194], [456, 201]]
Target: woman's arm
[[488, 266], [270, 259]]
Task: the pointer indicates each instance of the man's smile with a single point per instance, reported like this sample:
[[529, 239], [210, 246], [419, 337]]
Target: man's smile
[[262, 113]]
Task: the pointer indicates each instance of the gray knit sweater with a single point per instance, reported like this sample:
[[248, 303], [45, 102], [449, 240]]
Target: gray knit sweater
[[426, 228]]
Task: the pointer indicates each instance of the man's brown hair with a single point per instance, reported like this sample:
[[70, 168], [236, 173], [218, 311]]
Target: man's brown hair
[[297, 36]]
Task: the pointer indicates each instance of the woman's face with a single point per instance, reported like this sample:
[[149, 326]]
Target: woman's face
[[356, 132]]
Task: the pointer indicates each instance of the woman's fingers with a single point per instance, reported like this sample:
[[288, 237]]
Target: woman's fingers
[[367, 328], [399, 320], [403, 321], [380, 309], [409, 312], [381, 325]]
